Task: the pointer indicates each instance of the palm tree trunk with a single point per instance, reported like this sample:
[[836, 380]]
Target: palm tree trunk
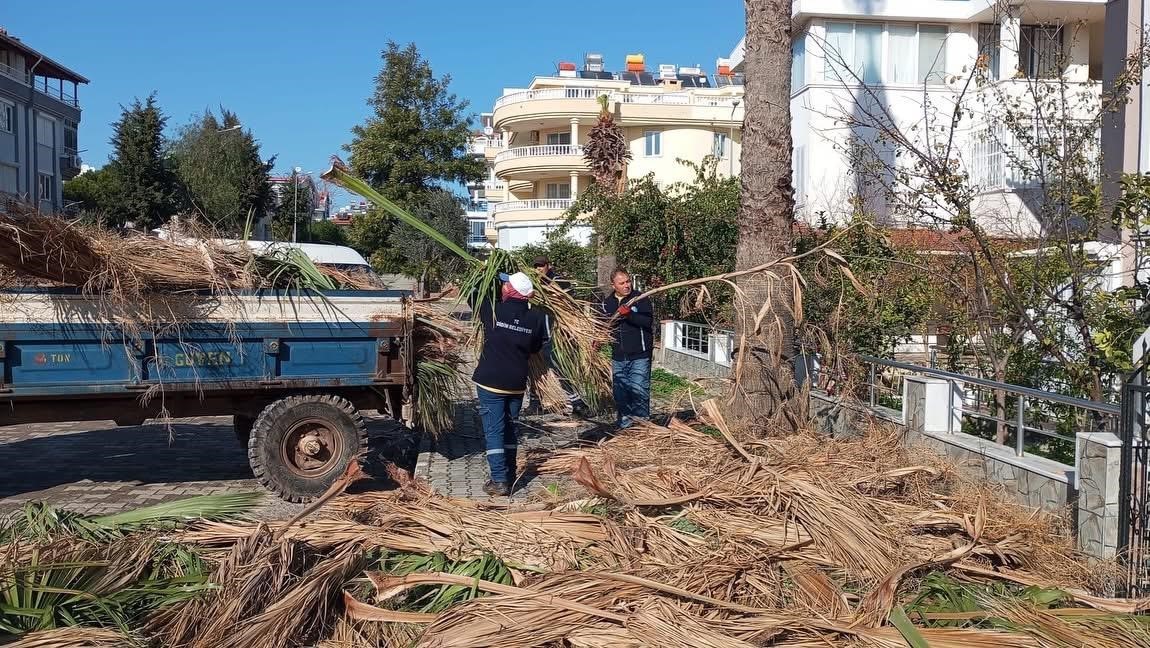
[[765, 383], [605, 264]]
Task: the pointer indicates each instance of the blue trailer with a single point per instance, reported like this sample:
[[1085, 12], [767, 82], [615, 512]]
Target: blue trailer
[[294, 370]]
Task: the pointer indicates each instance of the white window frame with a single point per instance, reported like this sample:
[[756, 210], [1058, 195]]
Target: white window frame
[[40, 178], [558, 137], [885, 73], [655, 136], [559, 186]]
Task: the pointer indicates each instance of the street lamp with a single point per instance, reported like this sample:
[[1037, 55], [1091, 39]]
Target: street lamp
[[295, 201], [731, 139]]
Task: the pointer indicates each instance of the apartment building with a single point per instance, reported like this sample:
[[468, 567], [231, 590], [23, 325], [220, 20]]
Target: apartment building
[[908, 62], [533, 138], [39, 116]]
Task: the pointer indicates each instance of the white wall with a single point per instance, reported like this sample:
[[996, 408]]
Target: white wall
[[823, 107], [691, 144], [515, 235]]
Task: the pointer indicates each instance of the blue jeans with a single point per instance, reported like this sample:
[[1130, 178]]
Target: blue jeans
[[631, 387], [499, 412]]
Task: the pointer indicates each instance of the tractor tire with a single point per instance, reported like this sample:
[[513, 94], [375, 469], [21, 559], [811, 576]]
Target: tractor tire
[[300, 445], [242, 426]]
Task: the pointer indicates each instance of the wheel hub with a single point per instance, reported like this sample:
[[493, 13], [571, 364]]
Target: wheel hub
[[311, 447]]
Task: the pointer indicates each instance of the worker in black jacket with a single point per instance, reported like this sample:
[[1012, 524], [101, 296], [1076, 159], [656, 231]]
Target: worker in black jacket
[[512, 331], [631, 349]]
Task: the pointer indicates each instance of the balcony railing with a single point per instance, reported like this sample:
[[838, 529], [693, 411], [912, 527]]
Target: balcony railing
[[551, 93], [494, 185], [667, 98], [480, 146], [538, 151], [542, 203], [39, 84]]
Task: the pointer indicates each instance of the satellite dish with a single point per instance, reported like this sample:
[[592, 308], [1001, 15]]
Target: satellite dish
[[487, 130]]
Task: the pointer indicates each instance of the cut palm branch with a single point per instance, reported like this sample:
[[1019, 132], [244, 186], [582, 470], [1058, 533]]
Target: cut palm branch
[[576, 329]]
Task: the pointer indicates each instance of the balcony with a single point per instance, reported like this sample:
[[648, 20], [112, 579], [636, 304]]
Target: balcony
[[555, 107], [547, 210], [53, 88], [528, 162], [486, 146]]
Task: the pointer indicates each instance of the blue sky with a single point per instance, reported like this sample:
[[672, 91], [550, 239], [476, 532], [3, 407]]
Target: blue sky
[[298, 73]]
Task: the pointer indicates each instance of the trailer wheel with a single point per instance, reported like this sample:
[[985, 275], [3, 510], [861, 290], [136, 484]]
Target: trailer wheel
[[300, 445], [242, 425]]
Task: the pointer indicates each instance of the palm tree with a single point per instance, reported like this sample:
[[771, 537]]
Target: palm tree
[[607, 153], [766, 212]]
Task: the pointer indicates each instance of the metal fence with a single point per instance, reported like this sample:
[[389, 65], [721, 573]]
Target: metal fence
[[1030, 421], [1134, 484]]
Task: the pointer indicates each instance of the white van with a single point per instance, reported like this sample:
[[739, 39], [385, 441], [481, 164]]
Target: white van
[[339, 257]]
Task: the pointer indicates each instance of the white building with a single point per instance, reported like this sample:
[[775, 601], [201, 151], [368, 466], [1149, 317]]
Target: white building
[[533, 138], [908, 62]]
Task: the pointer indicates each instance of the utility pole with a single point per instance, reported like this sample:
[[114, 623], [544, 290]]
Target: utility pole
[[295, 204]]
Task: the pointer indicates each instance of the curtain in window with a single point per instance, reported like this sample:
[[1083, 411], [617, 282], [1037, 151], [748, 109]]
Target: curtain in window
[[931, 54], [868, 52], [902, 55], [798, 63], [839, 51]]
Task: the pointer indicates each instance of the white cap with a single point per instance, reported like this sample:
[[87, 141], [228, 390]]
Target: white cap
[[521, 283]]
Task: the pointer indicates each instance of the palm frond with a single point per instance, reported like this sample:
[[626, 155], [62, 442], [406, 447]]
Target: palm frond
[[342, 176]]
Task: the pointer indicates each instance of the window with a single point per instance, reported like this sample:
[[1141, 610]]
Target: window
[[652, 143], [839, 49], [799, 173], [8, 179], [914, 54], [868, 52], [477, 229], [988, 172], [798, 62], [1040, 52], [720, 146], [931, 54], [7, 115], [46, 187], [989, 48], [558, 190], [71, 142], [902, 57], [45, 131], [555, 139]]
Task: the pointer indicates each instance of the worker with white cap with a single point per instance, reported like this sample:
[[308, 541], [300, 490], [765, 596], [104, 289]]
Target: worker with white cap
[[512, 332]]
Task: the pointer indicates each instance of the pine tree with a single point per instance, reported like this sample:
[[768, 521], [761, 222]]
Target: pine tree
[[417, 136], [146, 190]]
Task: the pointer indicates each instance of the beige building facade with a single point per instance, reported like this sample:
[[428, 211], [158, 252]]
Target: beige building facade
[[533, 139]]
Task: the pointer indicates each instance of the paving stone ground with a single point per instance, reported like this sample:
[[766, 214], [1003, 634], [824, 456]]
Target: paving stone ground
[[98, 468], [456, 464]]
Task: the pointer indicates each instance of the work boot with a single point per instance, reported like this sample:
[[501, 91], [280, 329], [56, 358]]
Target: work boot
[[497, 489]]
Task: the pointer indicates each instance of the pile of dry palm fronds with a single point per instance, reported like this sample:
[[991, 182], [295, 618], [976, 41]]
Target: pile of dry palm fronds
[[39, 249], [681, 535]]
